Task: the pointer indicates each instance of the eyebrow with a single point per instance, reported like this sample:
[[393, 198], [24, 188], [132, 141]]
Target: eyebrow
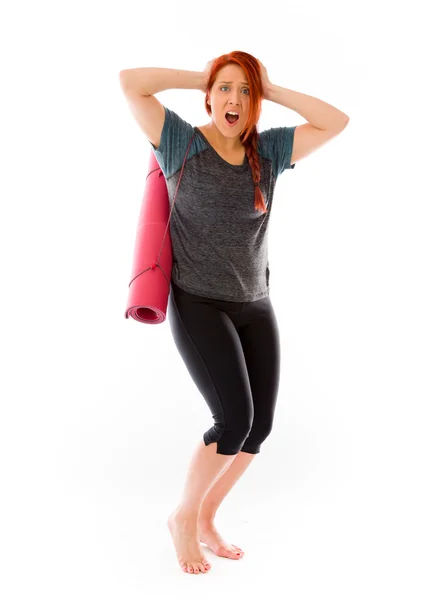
[[232, 82]]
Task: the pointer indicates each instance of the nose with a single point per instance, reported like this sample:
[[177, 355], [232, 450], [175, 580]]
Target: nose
[[234, 99]]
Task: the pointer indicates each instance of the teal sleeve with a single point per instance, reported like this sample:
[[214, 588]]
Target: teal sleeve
[[276, 144], [175, 137]]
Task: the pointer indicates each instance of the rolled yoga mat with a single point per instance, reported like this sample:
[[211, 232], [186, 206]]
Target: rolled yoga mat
[[152, 264]]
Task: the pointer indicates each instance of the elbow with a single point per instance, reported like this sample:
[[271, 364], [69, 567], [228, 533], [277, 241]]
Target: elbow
[[122, 75]]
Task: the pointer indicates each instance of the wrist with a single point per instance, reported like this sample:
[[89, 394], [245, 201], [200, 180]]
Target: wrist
[[200, 81], [269, 91]]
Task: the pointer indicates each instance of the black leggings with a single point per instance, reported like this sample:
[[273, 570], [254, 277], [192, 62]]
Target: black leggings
[[232, 352]]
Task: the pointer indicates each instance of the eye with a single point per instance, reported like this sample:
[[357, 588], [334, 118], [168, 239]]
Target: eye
[[226, 86]]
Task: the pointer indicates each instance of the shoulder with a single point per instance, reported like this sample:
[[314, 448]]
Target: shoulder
[[175, 137], [276, 144]]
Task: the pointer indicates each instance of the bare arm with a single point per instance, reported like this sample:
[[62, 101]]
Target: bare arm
[[150, 80]]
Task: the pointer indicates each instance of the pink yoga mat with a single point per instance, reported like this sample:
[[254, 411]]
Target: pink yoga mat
[[152, 263]]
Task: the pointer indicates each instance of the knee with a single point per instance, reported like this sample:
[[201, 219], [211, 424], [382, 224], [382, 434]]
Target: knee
[[259, 432], [239, 431], [230, 438], [242, 429], [265, 430]]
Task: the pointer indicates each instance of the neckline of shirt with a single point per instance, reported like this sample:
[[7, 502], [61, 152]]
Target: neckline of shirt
[[222, 160]]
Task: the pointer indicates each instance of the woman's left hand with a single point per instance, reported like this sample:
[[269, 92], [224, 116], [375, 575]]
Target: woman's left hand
[[265, 80]]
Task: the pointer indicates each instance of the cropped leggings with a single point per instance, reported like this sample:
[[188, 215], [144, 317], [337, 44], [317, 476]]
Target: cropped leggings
[[232, 352]]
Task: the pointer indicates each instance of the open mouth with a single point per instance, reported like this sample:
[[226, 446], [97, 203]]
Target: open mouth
[[231, 119]]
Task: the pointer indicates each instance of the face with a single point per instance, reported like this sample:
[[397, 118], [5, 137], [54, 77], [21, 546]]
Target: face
[[230, 96]]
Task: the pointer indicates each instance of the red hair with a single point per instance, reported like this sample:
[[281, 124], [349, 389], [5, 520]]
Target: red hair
[[250, 135]]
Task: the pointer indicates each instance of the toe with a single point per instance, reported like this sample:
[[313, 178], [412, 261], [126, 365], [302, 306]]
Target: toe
[[228, 552], [234, 552]]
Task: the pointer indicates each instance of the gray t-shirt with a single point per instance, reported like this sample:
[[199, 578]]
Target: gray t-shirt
[[219, 240]]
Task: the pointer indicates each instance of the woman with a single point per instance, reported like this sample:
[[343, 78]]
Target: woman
[[220, 312]]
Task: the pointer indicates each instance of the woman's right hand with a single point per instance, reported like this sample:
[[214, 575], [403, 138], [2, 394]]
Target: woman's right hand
[[206, 74]]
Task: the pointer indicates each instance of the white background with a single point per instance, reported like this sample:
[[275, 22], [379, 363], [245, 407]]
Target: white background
[[99, 416]]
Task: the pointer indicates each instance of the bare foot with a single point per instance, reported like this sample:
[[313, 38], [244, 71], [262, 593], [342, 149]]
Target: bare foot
[[209, 535], [185, 536]]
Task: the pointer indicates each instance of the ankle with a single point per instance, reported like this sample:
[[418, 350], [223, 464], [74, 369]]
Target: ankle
[[187, 513], [206, 518]]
